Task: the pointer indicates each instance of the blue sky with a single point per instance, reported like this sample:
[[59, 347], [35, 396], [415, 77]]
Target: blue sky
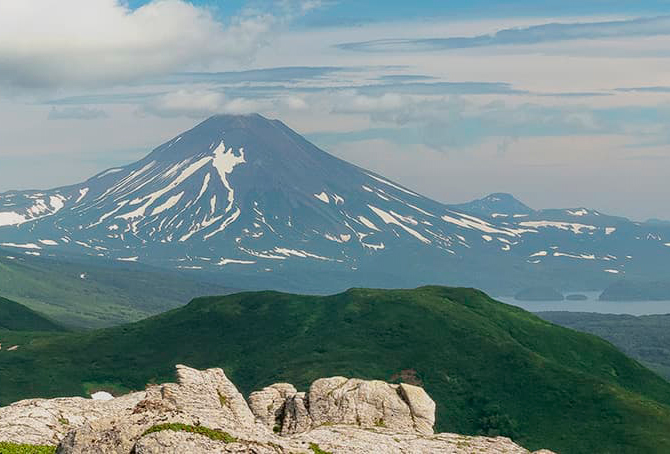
[[380, 10], [558, 102]]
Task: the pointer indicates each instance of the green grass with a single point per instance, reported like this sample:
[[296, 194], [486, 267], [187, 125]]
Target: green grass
[[217, 435], [491, 368], [16, 317], [12, 448], [317, 450], [105, 296], [645, 338]]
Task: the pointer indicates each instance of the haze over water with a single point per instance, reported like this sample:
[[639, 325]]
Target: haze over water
[[593, 304]]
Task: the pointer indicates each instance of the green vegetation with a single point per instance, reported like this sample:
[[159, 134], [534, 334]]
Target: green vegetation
[[94, 296], [645, 338], [217, 435], [633, 290], [317, 450], [16, 317], [491, 368], [12, 448]]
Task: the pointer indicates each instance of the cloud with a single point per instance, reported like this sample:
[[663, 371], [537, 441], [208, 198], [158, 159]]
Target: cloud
[[203, 103], [54, 43], [449, 122], [198, 104], [259, 86], [76, 113], [653, 26], [289, 74], [657, 89]]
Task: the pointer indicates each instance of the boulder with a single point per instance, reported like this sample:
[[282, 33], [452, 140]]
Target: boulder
[[203, 412], [269, 404], [46, 421], [360, 403], [421, 407]]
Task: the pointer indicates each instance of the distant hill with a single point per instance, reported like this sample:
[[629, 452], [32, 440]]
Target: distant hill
[[632, 290], [658, 222], [95, 294], [492, 368], [645, 338], [16, 317], [496, 205]]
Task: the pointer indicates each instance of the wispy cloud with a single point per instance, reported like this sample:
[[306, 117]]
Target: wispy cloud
[[292, 82], [203, 103], [289, 74], [536, 34], [659, 89], [455, 122], [76, 113]]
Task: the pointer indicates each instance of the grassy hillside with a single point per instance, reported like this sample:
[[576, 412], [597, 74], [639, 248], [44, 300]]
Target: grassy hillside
[[492, 368], [645, 338], [16, 317], [83, 295]]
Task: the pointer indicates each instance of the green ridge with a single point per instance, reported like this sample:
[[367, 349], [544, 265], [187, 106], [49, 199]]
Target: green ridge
[[491, 368], [16, 317], [89, 295]]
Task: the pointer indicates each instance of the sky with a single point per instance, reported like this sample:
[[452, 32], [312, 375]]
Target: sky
[[561, 103]]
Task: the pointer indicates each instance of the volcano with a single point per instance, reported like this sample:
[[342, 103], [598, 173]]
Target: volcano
[[246, 198]]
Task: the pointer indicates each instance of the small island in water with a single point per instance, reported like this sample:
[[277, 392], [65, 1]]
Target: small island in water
[[630, 290], [539, 294], [576, 297]]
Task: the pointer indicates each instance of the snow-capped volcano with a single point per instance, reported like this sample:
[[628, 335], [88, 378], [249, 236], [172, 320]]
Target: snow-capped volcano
[[247, 195]]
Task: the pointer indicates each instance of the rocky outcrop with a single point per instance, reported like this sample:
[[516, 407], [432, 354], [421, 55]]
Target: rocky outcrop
[[47, 421], [205, 413], [339, 400]]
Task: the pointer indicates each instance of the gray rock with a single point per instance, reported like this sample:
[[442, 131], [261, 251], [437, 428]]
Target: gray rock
[[360, 403], [338, 415], [269, 404], [46, 421], [421, 407], [296, 415]]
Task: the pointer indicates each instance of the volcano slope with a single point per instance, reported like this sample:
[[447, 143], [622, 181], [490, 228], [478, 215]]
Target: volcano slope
[[491, 368]]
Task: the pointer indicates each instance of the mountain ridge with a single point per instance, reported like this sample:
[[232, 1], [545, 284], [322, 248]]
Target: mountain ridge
[[246, 197], [17, 317]]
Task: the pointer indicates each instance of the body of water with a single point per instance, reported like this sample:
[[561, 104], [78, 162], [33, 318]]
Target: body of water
[[592, 304]]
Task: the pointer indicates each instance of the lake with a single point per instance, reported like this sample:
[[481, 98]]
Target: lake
[[592, 304]]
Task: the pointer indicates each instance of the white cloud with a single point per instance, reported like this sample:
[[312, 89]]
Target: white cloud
[[388, 102], [295, 103], [53, 43], [76, 113], [199, 103]]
